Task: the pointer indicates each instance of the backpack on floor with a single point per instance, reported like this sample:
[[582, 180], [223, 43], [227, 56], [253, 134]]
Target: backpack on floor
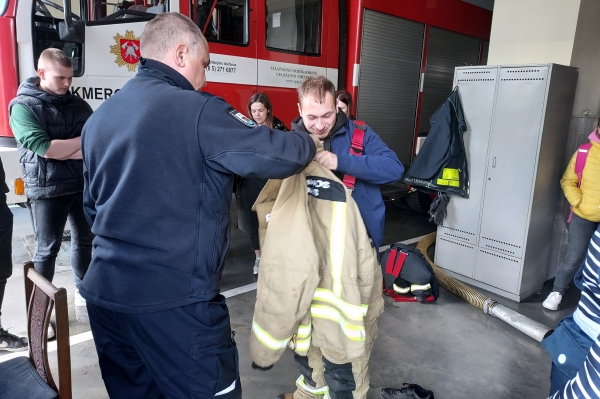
[[408, 277]]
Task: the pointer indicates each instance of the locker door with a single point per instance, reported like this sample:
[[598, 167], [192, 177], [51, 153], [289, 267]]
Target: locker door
[[512, 161], [390, 72], [477, 89]]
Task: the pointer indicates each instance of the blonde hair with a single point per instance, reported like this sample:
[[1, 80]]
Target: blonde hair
[[167, 30], [54, 56]]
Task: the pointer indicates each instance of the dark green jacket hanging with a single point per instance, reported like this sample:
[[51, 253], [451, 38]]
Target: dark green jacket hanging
[[441, 164]]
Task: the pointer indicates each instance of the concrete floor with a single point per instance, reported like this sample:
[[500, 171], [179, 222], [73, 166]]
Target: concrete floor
[[449, 347]]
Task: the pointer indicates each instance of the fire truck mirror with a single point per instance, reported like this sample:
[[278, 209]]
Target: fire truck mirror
[[73, 34]]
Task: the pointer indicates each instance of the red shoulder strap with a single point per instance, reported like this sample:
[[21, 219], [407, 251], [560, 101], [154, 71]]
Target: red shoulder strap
[[582, 154], [356, 148]]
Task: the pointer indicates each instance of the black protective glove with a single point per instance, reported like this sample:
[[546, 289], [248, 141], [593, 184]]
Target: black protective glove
[[257, 367]]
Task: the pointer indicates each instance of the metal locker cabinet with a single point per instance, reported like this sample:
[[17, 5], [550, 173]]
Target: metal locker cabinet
[[458, 236], [515, 139], [530, 121]]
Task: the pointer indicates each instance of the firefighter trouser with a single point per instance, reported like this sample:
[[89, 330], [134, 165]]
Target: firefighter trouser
[[320, 378]]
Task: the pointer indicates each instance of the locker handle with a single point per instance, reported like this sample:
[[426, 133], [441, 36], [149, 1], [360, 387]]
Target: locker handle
[[494, 162]]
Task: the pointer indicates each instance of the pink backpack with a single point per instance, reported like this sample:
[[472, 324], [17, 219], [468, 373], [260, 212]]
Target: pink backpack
[[582, 154]]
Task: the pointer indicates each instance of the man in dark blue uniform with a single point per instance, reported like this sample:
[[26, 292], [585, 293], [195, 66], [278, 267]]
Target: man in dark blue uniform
[[159, 159]]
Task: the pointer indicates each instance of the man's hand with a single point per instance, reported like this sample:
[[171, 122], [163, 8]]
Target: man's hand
[[328, 159]]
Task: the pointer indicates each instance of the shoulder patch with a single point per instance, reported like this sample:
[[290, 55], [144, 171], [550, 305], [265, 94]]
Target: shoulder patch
[[243, 119]]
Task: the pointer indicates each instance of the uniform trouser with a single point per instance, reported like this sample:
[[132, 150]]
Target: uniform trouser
[[251, 188], [580, 233], [6, 228], [49, 218], [339, 381], [184, 352]]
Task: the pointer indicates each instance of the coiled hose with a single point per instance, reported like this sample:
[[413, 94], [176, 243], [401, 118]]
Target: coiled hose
[[522, 323]]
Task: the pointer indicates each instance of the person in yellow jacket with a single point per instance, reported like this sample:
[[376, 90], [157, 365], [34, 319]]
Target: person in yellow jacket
[[584, 198]]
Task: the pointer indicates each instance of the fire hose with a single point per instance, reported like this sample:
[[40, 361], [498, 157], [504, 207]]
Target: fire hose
[[522, 323]]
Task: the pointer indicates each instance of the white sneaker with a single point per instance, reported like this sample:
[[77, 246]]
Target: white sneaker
[[255, 268], [79, 300], [553, 300], [51, 333]]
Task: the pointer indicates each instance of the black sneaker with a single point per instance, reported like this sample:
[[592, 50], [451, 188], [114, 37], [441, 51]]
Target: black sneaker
[[11, 343], [409, 391]]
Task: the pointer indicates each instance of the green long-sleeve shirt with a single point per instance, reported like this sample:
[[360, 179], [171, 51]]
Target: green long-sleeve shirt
[[27, 130]]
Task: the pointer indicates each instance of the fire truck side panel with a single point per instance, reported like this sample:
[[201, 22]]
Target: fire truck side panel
[[8, 69]]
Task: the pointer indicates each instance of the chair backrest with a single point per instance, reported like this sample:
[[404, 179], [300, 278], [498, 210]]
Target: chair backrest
[[41, 296]]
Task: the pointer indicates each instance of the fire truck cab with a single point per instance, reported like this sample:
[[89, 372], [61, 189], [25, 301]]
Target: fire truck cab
[[380, 51]]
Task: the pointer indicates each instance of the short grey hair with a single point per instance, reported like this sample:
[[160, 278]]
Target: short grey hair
[[167, 30]]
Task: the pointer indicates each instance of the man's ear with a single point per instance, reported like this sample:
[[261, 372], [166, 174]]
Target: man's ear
[[180, 55], [42, 74], [299, 110]]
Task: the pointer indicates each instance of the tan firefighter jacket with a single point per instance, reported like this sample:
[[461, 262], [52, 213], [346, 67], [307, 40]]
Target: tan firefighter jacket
[[319, 277]]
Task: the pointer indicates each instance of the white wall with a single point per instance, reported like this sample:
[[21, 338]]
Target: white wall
[[533, 31]]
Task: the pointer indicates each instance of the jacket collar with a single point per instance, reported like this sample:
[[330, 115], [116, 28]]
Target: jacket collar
[[31, 88], [340, 122], [158, 70]]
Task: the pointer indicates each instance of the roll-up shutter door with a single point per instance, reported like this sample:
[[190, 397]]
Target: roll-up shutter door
[[445, 51], [486, 50], [390, 72]]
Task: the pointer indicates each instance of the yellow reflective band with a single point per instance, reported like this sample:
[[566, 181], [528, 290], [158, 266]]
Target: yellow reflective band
[[350, 311], [416, 287], [352, 331], [267, 340], [401, 290], [450, 174], [304, 331], [337, 238], [364, 308], [302, 345], [308, 388]]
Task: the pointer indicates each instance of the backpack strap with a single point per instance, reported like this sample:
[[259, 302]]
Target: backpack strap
[[582, 153], [356, 148]]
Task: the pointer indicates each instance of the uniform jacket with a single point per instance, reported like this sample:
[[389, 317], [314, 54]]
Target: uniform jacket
[[442, 162], [319, 277], [377, 165], [62, 118], [3, 186], [159, 162], [585, 200]]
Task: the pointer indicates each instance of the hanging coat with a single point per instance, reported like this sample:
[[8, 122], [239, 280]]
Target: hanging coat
[[442, 162]]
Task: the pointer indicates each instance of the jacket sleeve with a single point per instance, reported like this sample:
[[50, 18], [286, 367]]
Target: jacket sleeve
[[587, 381], [377, 165], [89, 204], [569, 183], [231, 146]]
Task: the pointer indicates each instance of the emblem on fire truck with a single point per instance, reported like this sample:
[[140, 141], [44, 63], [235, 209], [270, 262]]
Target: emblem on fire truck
[[127, 50]]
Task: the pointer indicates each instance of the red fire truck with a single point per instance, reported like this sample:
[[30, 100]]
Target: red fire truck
[[396, 57]]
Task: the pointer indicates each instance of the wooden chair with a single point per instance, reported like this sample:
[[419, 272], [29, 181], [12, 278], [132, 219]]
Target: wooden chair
[[23, 377]]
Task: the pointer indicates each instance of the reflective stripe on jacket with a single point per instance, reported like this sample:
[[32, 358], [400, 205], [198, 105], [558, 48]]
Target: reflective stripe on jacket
[[319, 275]]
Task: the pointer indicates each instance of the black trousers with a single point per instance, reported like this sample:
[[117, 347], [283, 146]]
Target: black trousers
[[6, 229], [250, 189], [184, 352]]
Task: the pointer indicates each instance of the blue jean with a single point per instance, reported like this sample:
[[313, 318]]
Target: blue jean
[[580, 233], [184, 352], [6, 228], [49, 218]]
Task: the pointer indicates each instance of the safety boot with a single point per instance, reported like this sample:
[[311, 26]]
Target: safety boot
[[408, 391]]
